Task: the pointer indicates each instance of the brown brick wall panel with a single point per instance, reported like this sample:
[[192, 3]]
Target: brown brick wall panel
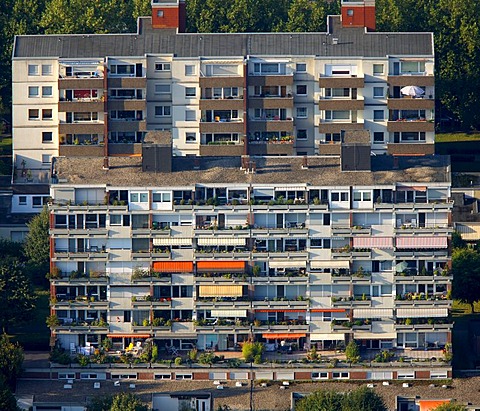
[[271, 149], [277, 125], [341, 104], [127, 125], [145, 375], [341, 82], [270, 80], [404, 126], [221, 104], [80, 128], [127, 104], [270, 102], [358, 375], [124, 149], [73, 83], [410, 149], [422, 375], [80, 151], [329, 149], [337, 127], [302, 375], [215, 150], [127, 82], [402, 81], [233, 127], [208, 82], [410, 103], [201, 375], [82, 106]]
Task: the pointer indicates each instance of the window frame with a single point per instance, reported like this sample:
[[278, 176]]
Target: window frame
[[47, 136], [163, 66], [188, 92], [35, 71], [300, 87], [303, 108]]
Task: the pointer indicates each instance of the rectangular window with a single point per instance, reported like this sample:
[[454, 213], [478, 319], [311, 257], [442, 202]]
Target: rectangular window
[[301, 134], [302, 112], [337, 115], [37, 201], [189, 70], [47, 137], [47, 91], [412, 67], [331, 137], [183, 376], [378, 69], [47, 114], [340, 375], [190, 115], [378, 115], [319, 375], [161, 197], [190, 92], [33, 91], [162, 376], [162, 89], [162, 66], [378, 92], [115, 219], [301, 67], [301, 89], [22, 200], [46, 158], [162, 111], [191, 137], [46, 69], [33, 114], [123, 69], [33, 70], [378, 137]]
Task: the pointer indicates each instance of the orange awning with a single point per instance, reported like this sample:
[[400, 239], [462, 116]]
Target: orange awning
[[429, 405], [128, 335], [280, 311], [222, 266], [327, 310], [173, 267], [288, 336]]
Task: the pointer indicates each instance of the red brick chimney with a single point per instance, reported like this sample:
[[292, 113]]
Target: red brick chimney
[[169, 14], [358, 13]]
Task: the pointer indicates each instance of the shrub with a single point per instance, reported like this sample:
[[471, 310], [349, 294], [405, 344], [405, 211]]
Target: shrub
[[192, 354], [352, 352], [250, 350], [178, 361]]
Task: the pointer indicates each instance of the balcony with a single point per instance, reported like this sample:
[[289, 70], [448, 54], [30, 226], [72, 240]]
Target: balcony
[[127, 125], [291, 326], [405, 302], [127, 82], [260, 125], [263, 148], [228, 278], [355, 301], [351, 231], [280, 303], [410, 149], [221, 81], [231, 126], [127, 104], [63, 255], [281, 280], [151, 255], [270, 79], [428, 327], [222, 326], [77, 83], [337, 127], [94, 277], [87, 208], [341, 104], [32, 176], [409, 103], [219, 303], [301, 230], [71, 232], [348, 253], [414, 254], [222, 150], [86, 105], [148, 301], [408, 229], [78, 150], [411, 79], [227, 255], [411, 125], [268, 102], [236, 103], [92, 127], [341, 82]]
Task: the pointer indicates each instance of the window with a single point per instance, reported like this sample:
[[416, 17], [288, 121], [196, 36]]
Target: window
[[37, 201], [162, 376], [115, 219], [319, 375], [413, 136], [302, 89], [47, 114], [139, 197], [33, 70], [189, 70], [162, 66], [350, 12], [191, 137], [183, 376], [378, 115], [190, 92], [46, 158], [22, 200], [190, 115], [378, 92], [301, 67], [378, 69], [162, 111], [159, 13], [123, 69], [378, 137], [46, 69], [320, 243], [33, 91], [221, 69], [301, 134], [162, 89], [47, 137], [340, 196], [337, 115], [269, 68], [47, 91], [331, 137], [161, 197], [362, 196], [339, 92], [412, 67], [33, 114], [302, 112], [340, 375]]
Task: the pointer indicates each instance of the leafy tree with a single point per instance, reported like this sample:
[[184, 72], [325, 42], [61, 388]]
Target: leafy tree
[[7, 399], [321, 401], [450, 406], [127, 402], [352, 352], [141, 8], [17, 300], [252, 351], [457, 241], [10, 248], [363, 399], [103, 403], [37, 244], [11, 360], [466, 276]]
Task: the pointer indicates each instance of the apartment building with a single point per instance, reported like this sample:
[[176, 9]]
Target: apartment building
[[275, 94], [213, 251]]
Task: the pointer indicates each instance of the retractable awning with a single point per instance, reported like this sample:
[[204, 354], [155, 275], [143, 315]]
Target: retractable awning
[[328, 310], [422, 242], [329, 264], [327, 337], [221, 241], [283, 336], [172, 241], [220, 291], [287, 264], [372, 242], [372, 313], [411, 188], [173, 266], [220, 266], [281, 310], [374, 336], [229, 313], [422, 312]]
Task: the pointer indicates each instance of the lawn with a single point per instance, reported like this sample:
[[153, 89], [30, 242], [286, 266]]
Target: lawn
[[455, 137]]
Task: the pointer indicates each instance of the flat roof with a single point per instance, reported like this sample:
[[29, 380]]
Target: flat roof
[[322, 171], [351, 42]]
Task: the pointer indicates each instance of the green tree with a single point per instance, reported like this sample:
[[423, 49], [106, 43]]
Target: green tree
[[11, 360], [252, 351], [457, 240], [7, 399], [37, 244], [16, 295], [127, 402], [466, 276], [307, 15], [321, 401], [352, 352], [141, 8], [450, 406], [363, 399]]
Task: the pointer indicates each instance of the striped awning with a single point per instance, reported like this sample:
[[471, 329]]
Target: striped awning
[[329, 264], [283, 336], [374, 336], [372, 242], [220, 241], [172, 241], [173, 266], [287, 264], [220, 291], [469, 232], [229, 313], [281, 310], [221, 266], [326, 337], [411, 188], [372, 313], [422, 242], [422, 312], [328, 310]]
